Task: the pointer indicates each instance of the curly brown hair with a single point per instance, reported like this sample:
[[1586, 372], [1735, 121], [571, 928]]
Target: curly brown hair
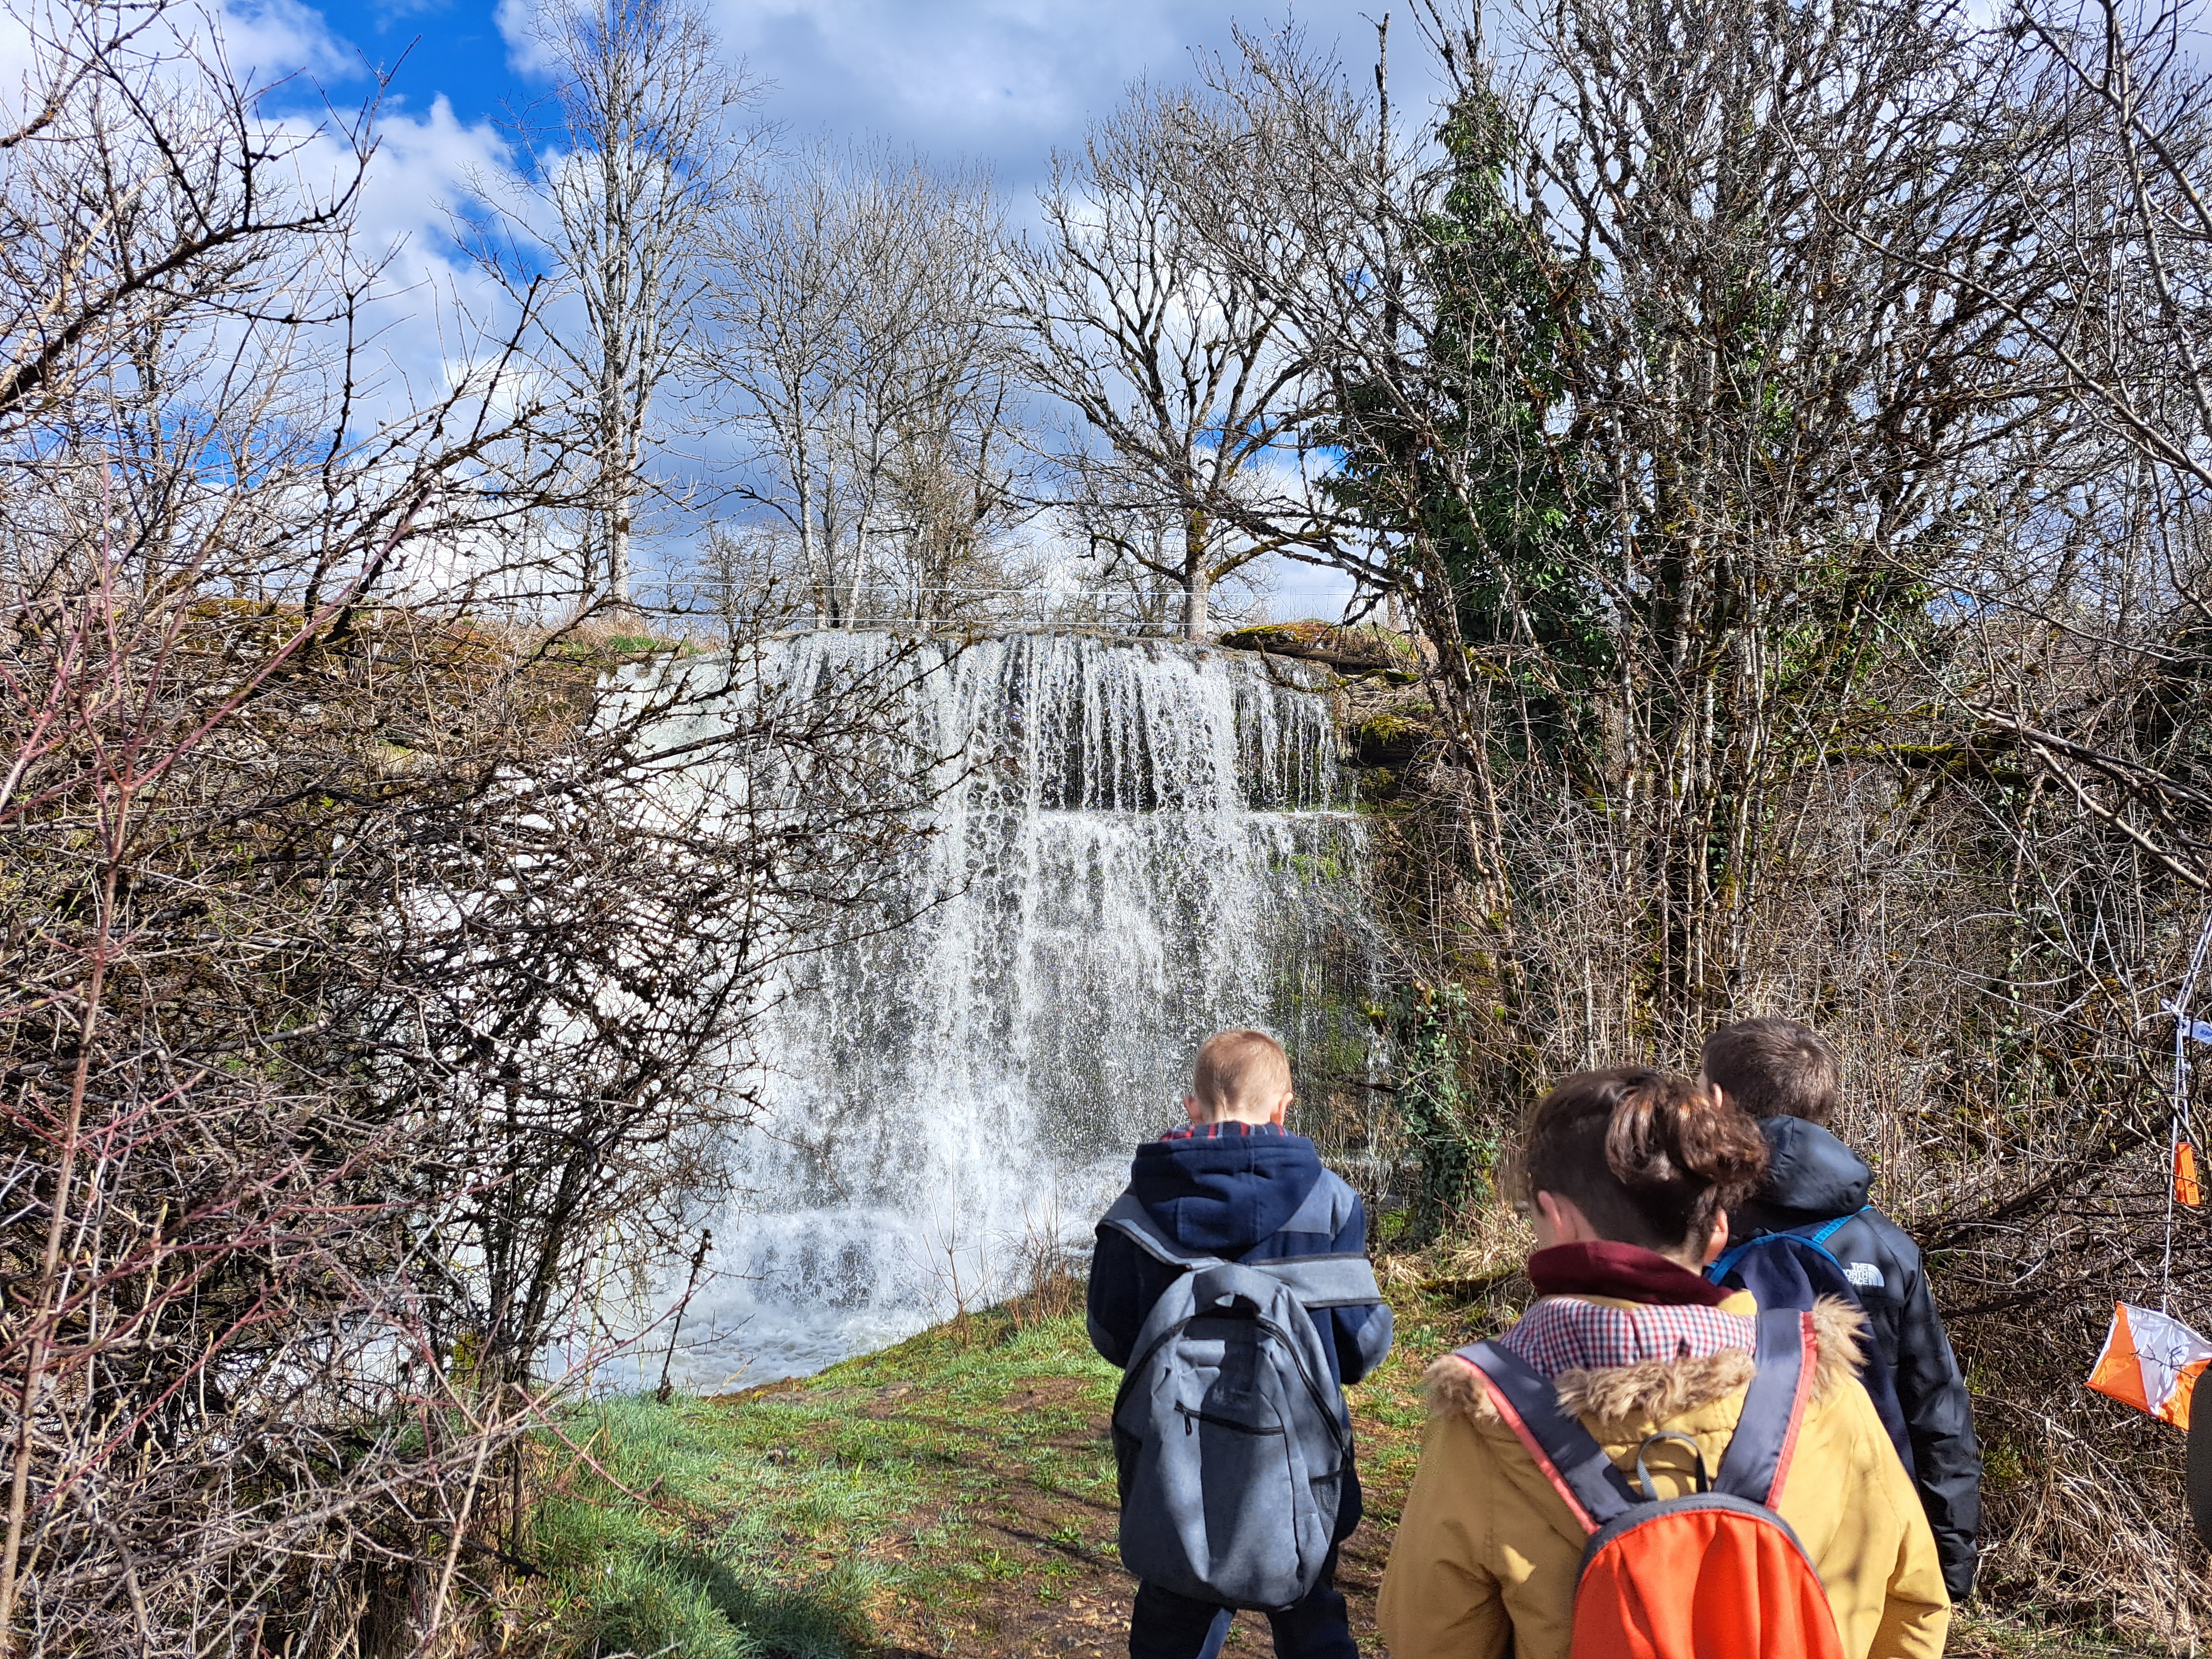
[[1652, 1157]]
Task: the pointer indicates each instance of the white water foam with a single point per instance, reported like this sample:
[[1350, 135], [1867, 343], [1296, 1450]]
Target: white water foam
[[1146, 840]]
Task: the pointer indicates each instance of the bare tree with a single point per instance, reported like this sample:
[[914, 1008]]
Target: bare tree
[[1784, 423], [1625, 412], [957, 473], [857, 341], [375, 965], [644, 152], [2108, 131], [1190, 386]]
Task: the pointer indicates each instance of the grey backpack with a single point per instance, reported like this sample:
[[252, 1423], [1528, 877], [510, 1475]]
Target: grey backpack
[[1230, 1438]]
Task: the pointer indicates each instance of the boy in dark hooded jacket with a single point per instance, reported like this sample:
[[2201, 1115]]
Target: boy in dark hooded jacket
[[1786, 1075], [1225, 1184]]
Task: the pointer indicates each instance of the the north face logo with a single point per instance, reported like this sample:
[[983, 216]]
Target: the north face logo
[[1864, 1273]]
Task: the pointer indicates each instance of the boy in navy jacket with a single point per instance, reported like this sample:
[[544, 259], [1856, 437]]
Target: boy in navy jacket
[[1226, 1183], [1786, 1075]]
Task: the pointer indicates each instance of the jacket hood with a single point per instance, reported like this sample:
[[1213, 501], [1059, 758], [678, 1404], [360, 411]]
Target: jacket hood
[[1226, 1195], [1810, 1176], [1659, 1389]]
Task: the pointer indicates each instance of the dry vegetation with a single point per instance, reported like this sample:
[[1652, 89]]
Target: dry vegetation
[[1784, 432], [376, 976], [1785, 429]]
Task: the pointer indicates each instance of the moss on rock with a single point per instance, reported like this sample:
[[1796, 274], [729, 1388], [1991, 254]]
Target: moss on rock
[[1365, 648]]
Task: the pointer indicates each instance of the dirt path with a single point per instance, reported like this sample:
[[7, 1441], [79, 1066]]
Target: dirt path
[[967, 1474], [1052, 1583]]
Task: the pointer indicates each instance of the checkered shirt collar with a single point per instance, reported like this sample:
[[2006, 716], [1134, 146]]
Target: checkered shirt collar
[[1223, 1129], [1565, 1334]]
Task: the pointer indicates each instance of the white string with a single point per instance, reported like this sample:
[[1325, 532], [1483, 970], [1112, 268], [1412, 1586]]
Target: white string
[[2184, 1029]]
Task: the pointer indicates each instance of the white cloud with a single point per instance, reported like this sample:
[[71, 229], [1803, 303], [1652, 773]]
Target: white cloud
[[523, 53], [425, 311], [965, 74], [424, 165], [1002, 81], [266, 41]]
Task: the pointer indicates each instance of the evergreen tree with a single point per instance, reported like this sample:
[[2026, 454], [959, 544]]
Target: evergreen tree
[[1474, 465]]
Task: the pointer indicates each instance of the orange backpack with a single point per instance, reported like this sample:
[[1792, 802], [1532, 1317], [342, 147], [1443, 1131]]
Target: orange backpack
[[1713, 1574]]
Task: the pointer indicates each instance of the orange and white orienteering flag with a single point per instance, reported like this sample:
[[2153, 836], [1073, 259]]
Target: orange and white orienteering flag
[[2151, 1361]]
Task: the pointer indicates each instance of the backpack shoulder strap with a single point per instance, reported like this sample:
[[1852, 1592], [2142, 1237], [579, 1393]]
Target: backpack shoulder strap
[[1571, 1458], [1819, 1237], [1324, 1281], [1815, 1241], [1829, 1230], [1326, 1208], [1129, 1218], [1318, 1281], [1756, 1460], [1722, 1265]]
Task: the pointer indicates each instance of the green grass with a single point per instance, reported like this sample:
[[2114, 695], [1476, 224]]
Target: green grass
[[780, 1522], [685, 1561], [953, 1495]]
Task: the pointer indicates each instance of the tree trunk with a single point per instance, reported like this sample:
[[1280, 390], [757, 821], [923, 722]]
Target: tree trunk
[[1194, 591], [1197, 580], [618, 555]]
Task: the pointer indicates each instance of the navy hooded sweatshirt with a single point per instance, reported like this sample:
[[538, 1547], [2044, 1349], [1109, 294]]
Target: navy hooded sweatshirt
[[1812, 1177], [1228, 1194]]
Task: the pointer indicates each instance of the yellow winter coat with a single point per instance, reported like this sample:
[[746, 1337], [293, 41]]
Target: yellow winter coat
[[1485, 1557]]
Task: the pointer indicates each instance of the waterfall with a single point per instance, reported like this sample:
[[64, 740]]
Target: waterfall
[[1139, 842]]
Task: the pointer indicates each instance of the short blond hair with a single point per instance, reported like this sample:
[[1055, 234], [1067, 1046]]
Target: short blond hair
[[1239, 1070]]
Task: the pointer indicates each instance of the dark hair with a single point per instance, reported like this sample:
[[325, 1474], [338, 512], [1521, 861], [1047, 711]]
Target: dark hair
[[1774, 1068], [1650, 1157]]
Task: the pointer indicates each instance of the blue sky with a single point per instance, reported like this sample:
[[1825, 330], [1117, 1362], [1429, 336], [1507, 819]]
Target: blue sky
[[452, 46], [1002, 81]]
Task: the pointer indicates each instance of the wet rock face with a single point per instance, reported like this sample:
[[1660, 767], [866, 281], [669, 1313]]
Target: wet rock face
[[1393, 736], [1385, 721]]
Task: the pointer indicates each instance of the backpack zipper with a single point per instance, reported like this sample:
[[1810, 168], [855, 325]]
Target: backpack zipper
[[1191, 1414], [1330, 1409]]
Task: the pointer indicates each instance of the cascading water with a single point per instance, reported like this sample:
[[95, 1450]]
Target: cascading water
[[1145, 843]]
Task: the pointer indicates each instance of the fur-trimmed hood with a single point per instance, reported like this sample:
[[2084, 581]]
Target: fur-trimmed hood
[[1661, 1389], [1488, 1552]]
